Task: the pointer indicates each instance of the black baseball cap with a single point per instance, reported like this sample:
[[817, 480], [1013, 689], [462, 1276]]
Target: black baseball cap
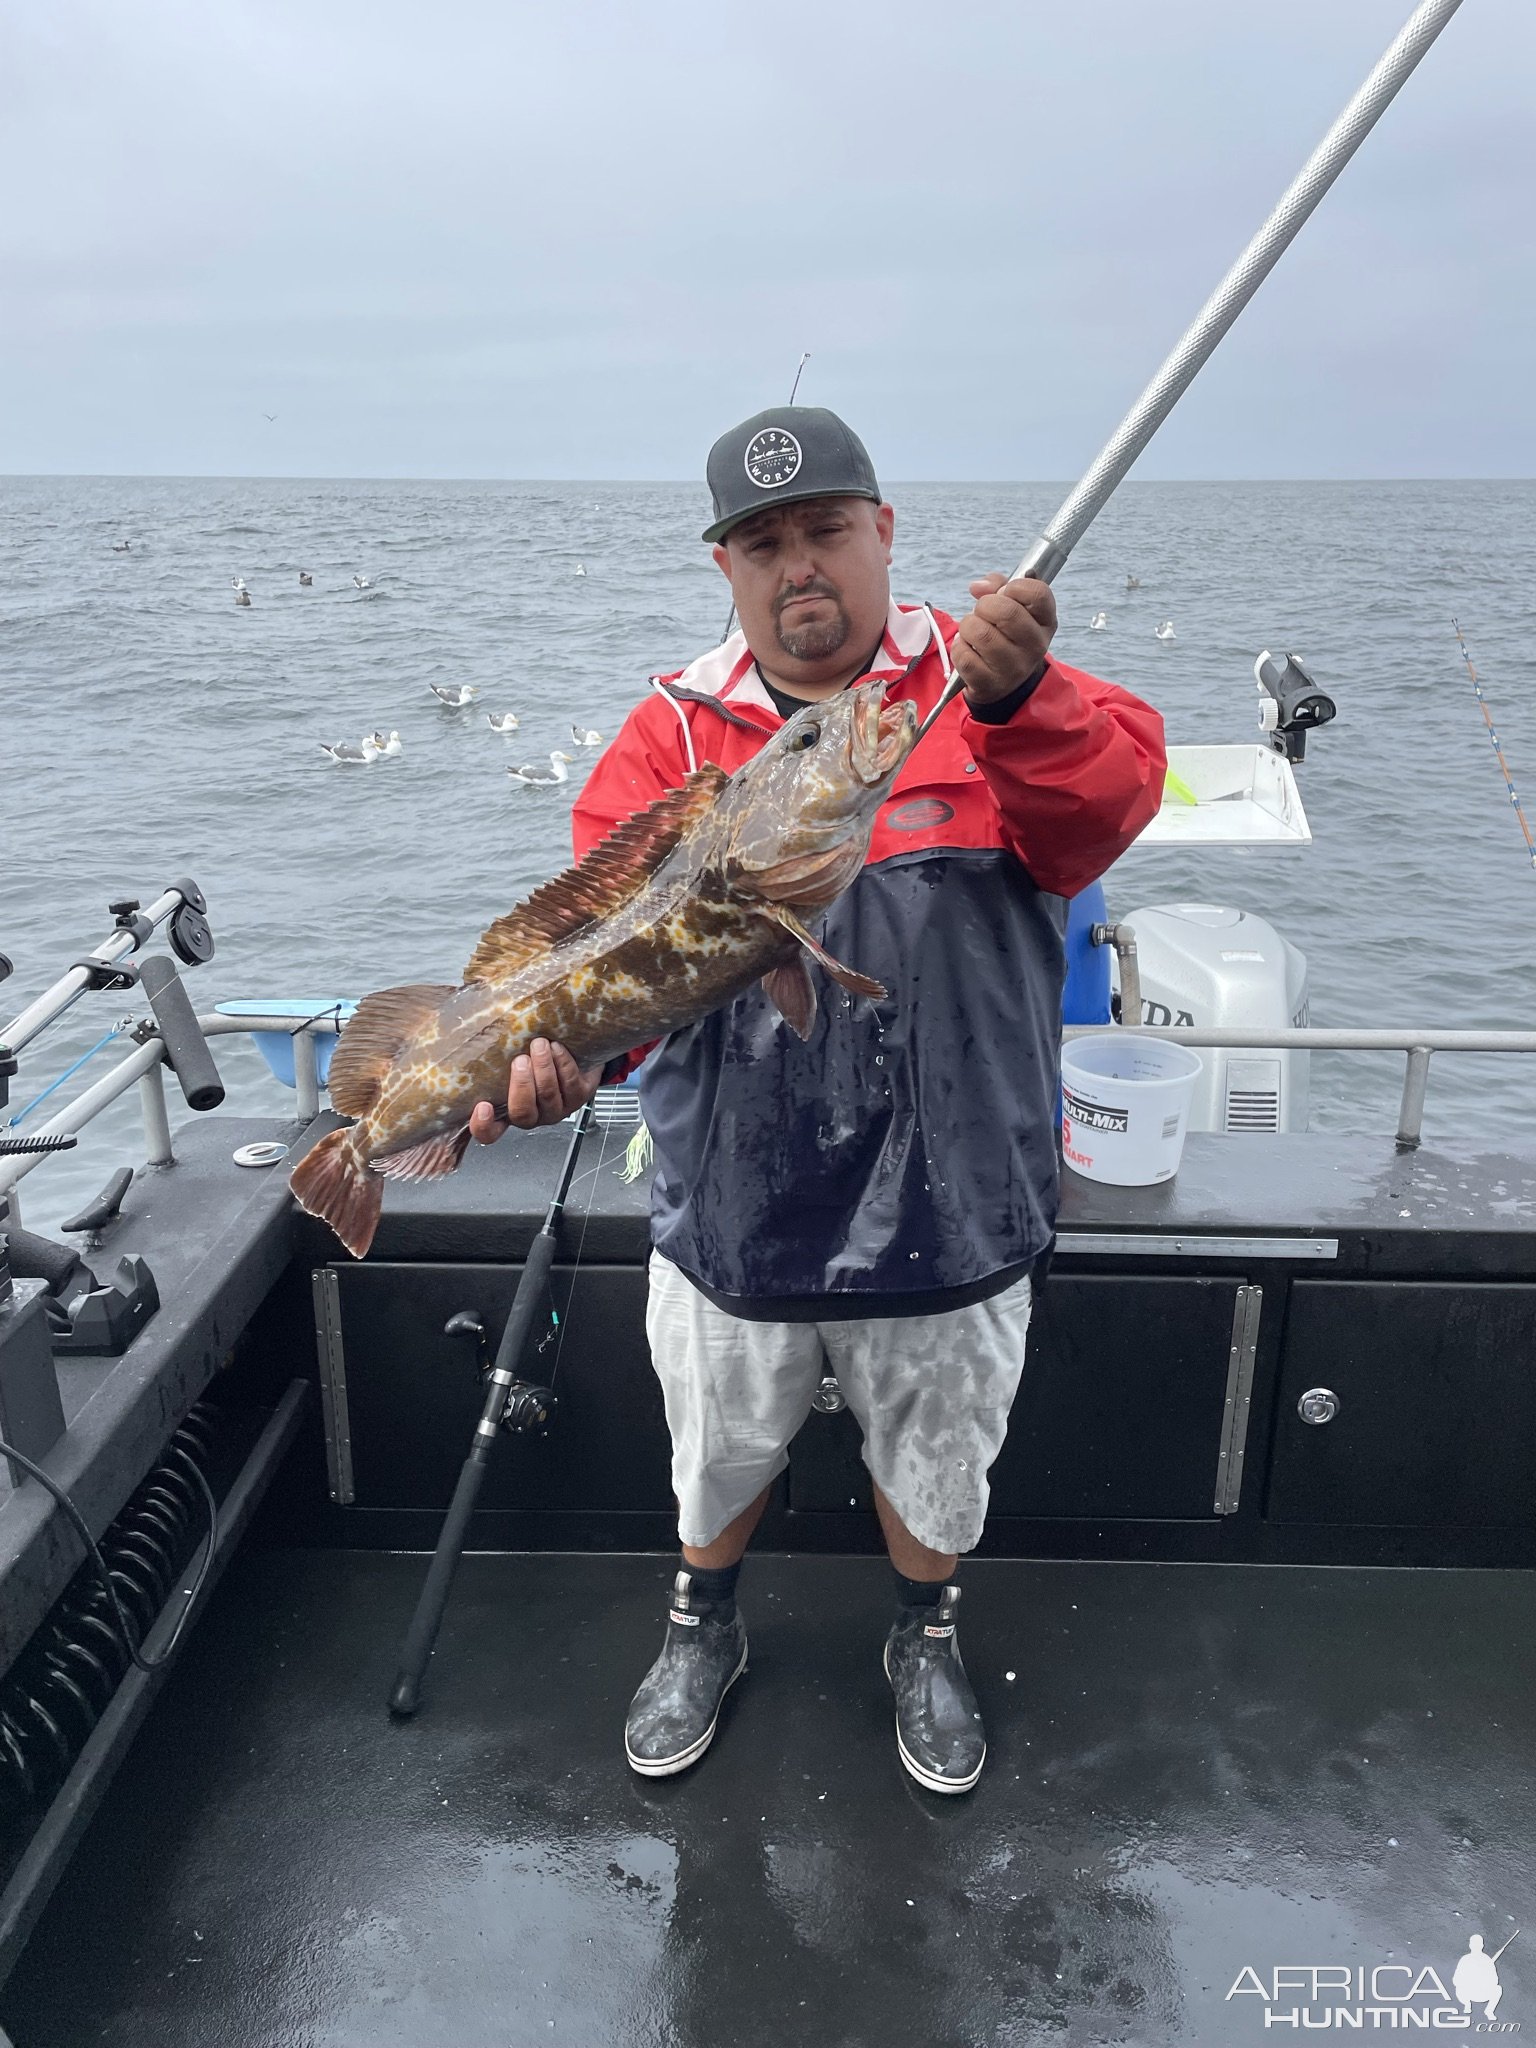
[[781, 456]]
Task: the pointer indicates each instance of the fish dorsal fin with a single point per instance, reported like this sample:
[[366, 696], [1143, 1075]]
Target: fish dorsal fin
[[373, 1035], [617, 868]]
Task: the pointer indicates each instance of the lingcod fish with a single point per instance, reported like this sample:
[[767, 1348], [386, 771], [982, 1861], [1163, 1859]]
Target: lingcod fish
[[681, 908]]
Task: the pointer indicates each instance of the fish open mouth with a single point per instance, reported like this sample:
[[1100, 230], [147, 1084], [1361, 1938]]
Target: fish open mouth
[[883, 734]]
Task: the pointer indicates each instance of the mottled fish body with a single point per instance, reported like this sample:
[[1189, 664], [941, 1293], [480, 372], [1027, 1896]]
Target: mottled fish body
[[677, 911]]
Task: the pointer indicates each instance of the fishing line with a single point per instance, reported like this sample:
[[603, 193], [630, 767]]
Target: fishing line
[[563, 1323], [117, 1031], [1509, 781], [805, 357]]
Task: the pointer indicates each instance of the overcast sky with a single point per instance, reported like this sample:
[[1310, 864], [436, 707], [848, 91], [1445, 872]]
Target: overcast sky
[[469, 238]]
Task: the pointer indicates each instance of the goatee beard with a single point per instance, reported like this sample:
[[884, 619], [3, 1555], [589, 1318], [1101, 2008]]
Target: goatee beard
[[815, 643]]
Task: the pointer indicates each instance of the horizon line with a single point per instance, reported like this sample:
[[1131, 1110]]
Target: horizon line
[[650, 483]]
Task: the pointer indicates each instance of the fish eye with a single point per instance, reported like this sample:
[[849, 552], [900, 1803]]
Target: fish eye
[[806, 737]]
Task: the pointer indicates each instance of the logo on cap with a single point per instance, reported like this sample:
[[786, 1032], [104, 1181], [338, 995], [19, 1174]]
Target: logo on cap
[[773, 458]]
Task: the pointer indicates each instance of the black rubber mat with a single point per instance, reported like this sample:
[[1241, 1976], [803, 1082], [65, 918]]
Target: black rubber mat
[[1196, 1772]]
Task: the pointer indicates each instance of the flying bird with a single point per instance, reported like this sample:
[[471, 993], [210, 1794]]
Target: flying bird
[[532, 772], [269, 415], [454, 695], [501, 721]]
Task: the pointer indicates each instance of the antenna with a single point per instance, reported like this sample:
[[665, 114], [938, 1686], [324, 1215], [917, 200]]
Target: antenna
[[805, 357], [1509, 781]]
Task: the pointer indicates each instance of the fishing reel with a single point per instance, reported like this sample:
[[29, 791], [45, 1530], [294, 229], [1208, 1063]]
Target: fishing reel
[[1292, 704], [526, 1410]]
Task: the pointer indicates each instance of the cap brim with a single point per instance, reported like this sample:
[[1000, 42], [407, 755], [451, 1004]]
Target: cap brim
[[722, 527]]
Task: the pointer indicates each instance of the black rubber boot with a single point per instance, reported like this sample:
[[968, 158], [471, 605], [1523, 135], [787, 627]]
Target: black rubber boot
[[672, 1717], [938, 1724]]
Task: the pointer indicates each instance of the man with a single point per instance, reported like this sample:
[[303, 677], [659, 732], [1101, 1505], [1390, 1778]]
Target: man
[[876, 1197]]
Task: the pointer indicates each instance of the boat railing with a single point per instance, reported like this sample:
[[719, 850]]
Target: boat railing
[[1417, 1046], [144, 1068]]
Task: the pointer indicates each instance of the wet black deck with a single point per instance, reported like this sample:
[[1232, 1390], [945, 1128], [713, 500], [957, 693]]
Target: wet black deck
[[1193, 1768]]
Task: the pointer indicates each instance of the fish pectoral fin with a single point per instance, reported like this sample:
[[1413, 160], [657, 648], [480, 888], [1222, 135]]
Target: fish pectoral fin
[[373, 1035], [790, 990], [617, 868], [846, 977], [429, 1160]]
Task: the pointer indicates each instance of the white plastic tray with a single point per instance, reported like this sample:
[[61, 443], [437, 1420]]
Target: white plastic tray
[[1245, 796]]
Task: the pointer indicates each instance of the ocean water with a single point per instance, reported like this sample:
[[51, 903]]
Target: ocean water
[[151, 728]]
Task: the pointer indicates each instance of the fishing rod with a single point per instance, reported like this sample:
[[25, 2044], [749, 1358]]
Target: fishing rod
[[510, 1404], [1078, 510], [1509, 780]]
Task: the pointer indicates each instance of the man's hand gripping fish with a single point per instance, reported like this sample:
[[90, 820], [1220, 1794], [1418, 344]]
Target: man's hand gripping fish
[[678, 910]]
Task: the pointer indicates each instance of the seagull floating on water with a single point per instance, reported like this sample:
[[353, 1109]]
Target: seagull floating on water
[[501, 721], [363, 582], [388, 744], [584, 738], [1098, 622], [1133, 583], [242, 595], [238, 582], [1165, 631], [122, 547], [532, 772], [353, 753], [455, 695], [580, 569], [305, 577]]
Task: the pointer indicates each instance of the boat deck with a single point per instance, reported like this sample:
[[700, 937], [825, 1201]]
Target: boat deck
[[1193, 1768]]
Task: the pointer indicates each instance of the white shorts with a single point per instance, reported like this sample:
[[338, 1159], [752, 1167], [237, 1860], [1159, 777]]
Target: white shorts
[[931, 1394]]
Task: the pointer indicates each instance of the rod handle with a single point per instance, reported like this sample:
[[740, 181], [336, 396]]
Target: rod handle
[[185, 1046], [405, 1696]]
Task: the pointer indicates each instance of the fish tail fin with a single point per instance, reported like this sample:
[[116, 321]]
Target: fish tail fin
[[333, 1182]]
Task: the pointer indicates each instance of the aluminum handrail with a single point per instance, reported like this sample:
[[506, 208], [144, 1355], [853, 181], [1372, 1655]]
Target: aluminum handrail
[[143, 1066], [1417, 1045]]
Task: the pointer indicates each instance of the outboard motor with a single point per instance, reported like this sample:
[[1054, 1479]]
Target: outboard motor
[[1209, 966]]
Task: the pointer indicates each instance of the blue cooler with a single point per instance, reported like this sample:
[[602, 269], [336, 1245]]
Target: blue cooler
[[1085, 998]]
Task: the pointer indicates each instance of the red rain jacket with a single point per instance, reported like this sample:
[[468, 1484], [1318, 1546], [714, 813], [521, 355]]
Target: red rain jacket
[[904, 1158]]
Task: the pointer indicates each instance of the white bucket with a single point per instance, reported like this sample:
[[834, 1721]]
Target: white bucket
[[1124, 1107]]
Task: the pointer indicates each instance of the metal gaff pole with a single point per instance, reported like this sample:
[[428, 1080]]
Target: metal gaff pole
[[1086, 501], [405, 1694]]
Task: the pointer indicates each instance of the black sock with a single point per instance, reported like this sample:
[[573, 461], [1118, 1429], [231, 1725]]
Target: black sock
[[715, 1590], [917, 1592]]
